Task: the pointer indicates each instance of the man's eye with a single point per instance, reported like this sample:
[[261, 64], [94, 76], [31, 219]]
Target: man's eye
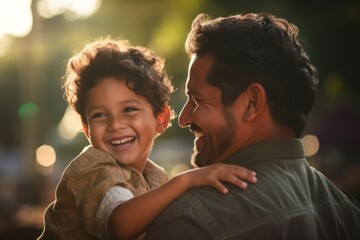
[[195, 101]]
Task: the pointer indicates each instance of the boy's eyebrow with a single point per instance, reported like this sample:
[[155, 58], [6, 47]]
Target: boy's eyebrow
[[128, 101], [132, 101]]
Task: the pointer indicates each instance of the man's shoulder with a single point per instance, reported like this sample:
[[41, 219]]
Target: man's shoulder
[[202, 198], [195, 198], [199, 210]]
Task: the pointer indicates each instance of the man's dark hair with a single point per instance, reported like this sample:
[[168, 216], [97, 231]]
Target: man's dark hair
[[258, 48]]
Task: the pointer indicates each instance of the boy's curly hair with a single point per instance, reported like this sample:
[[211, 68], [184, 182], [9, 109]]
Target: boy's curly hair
[[142, 71]]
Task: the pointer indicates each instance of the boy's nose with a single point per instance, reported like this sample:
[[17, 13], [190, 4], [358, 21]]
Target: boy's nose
[[116, 123]]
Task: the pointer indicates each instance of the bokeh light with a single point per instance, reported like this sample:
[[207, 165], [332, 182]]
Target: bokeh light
[[28, 109], [179, 169], [334, 85], [15, 17], [72, 10], [45, 155], [311, 145], [69, 125], [5, 42]]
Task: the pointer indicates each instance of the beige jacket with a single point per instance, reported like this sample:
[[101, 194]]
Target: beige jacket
[[82, 188]]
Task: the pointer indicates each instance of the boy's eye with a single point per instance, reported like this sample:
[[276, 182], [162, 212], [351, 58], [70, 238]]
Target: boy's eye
[[130, 109], [98, 115]]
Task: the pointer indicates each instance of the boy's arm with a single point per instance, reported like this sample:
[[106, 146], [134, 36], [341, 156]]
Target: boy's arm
[[132, 217]]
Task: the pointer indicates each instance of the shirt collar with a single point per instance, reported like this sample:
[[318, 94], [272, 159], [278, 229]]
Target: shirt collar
[[275, 149]]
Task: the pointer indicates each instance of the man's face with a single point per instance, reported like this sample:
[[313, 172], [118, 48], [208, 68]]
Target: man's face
[[213, 125]]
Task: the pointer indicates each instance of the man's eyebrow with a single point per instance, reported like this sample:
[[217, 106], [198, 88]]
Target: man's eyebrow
[[192, 92]]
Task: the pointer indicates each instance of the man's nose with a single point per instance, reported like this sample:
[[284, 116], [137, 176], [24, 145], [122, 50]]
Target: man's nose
[[185, 116]]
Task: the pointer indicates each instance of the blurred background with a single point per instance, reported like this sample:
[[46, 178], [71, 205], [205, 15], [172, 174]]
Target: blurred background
[[39, 135]]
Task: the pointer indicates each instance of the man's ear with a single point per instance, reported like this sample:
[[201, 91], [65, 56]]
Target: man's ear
[[163, 120], [256, 101]]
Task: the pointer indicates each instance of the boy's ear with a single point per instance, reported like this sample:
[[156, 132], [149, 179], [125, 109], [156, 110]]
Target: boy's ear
[[163, 120], [256, 101], [86, 130]]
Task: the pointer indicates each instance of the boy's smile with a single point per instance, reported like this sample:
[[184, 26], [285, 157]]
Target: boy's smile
[[120, 122], [123, 142]]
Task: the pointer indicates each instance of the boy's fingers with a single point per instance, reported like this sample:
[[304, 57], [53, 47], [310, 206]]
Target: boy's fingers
[[232, 179], [219, 186], [246, 174], [251, 176], [237, 182]]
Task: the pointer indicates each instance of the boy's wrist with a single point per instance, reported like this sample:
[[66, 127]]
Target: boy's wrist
[[183, 180]]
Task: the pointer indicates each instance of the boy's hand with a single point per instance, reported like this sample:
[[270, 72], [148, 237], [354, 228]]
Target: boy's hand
[[213, 175]]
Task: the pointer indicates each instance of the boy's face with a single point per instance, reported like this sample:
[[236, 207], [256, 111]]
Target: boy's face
[[122, 123]]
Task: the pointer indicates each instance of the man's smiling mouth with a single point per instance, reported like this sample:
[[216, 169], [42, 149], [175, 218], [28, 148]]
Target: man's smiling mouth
[[198, 134]]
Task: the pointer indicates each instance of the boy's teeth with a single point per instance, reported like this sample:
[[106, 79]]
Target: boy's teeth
[[122, 141]]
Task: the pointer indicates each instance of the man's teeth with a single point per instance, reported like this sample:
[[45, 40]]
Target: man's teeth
[[198, 134], [122, 141]]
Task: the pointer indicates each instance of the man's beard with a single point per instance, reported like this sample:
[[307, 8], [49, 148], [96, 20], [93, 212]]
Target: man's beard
[[217, 141]]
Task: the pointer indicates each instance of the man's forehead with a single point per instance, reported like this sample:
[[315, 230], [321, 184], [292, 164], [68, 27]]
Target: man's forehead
[[198, 71]]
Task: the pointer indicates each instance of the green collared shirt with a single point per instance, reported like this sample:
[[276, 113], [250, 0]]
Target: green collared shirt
[[290, 200]]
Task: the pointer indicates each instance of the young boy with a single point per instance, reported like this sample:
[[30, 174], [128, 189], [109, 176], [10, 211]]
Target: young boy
[[122, 96]]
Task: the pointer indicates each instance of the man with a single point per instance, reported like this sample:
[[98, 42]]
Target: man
[[250, 88]]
